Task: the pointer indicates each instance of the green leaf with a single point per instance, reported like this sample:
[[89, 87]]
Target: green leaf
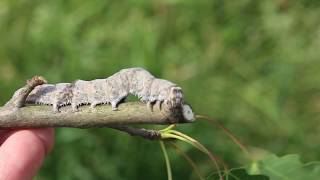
[[288, 167], [238, 174]]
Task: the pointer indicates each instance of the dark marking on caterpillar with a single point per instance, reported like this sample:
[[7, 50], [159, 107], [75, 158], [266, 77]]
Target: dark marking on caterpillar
[[111, 90]]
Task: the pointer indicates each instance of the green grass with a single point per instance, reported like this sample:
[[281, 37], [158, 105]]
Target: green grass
[[254, 65]]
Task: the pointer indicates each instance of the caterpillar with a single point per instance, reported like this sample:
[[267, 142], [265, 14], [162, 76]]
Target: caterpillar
[[112, 90]]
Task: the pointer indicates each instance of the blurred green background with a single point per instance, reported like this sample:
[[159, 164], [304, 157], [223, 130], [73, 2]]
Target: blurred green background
[[254, 65]]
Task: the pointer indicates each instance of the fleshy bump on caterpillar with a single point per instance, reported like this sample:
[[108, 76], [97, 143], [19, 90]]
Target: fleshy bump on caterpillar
[[111, 90]]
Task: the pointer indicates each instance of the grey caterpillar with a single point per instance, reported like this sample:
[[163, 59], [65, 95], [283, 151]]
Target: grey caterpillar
[[111, 90]]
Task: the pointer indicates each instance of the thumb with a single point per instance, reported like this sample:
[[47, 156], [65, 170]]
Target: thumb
[[23, 151]]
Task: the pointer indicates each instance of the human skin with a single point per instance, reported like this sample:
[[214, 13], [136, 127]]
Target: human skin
[[22, 152]]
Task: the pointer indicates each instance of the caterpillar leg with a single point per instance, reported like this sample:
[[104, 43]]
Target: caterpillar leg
[[175, 97], [159, 105], [114, 105], [74, 107], [150, 105], [93, 105], [55, 107]]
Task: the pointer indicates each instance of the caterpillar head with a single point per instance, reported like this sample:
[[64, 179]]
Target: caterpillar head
[[175, 96], [35, 81]]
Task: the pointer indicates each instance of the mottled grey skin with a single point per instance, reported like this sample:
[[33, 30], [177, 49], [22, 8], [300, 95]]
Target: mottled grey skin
[[112, 90]]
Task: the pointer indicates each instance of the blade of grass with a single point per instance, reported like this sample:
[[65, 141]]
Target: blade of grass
[[166, 157], [169, 135], [227, 132], [200, 147], [189, 160]]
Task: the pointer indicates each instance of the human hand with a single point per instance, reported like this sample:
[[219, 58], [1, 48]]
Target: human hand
[[22, 152]]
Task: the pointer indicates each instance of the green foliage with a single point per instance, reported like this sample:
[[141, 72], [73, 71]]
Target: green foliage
[[288, 167], [254, 65], [240, 174]]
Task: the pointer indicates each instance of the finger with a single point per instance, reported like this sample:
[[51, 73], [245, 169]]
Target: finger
[[3, 135], [3, 132], [46, 135], [22, 153]]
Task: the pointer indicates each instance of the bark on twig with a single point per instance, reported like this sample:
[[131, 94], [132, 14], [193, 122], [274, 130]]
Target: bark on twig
[[144, 133], [101, 116]]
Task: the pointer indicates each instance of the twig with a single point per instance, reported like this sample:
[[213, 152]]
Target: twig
[[102, 116], [144, 133]]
